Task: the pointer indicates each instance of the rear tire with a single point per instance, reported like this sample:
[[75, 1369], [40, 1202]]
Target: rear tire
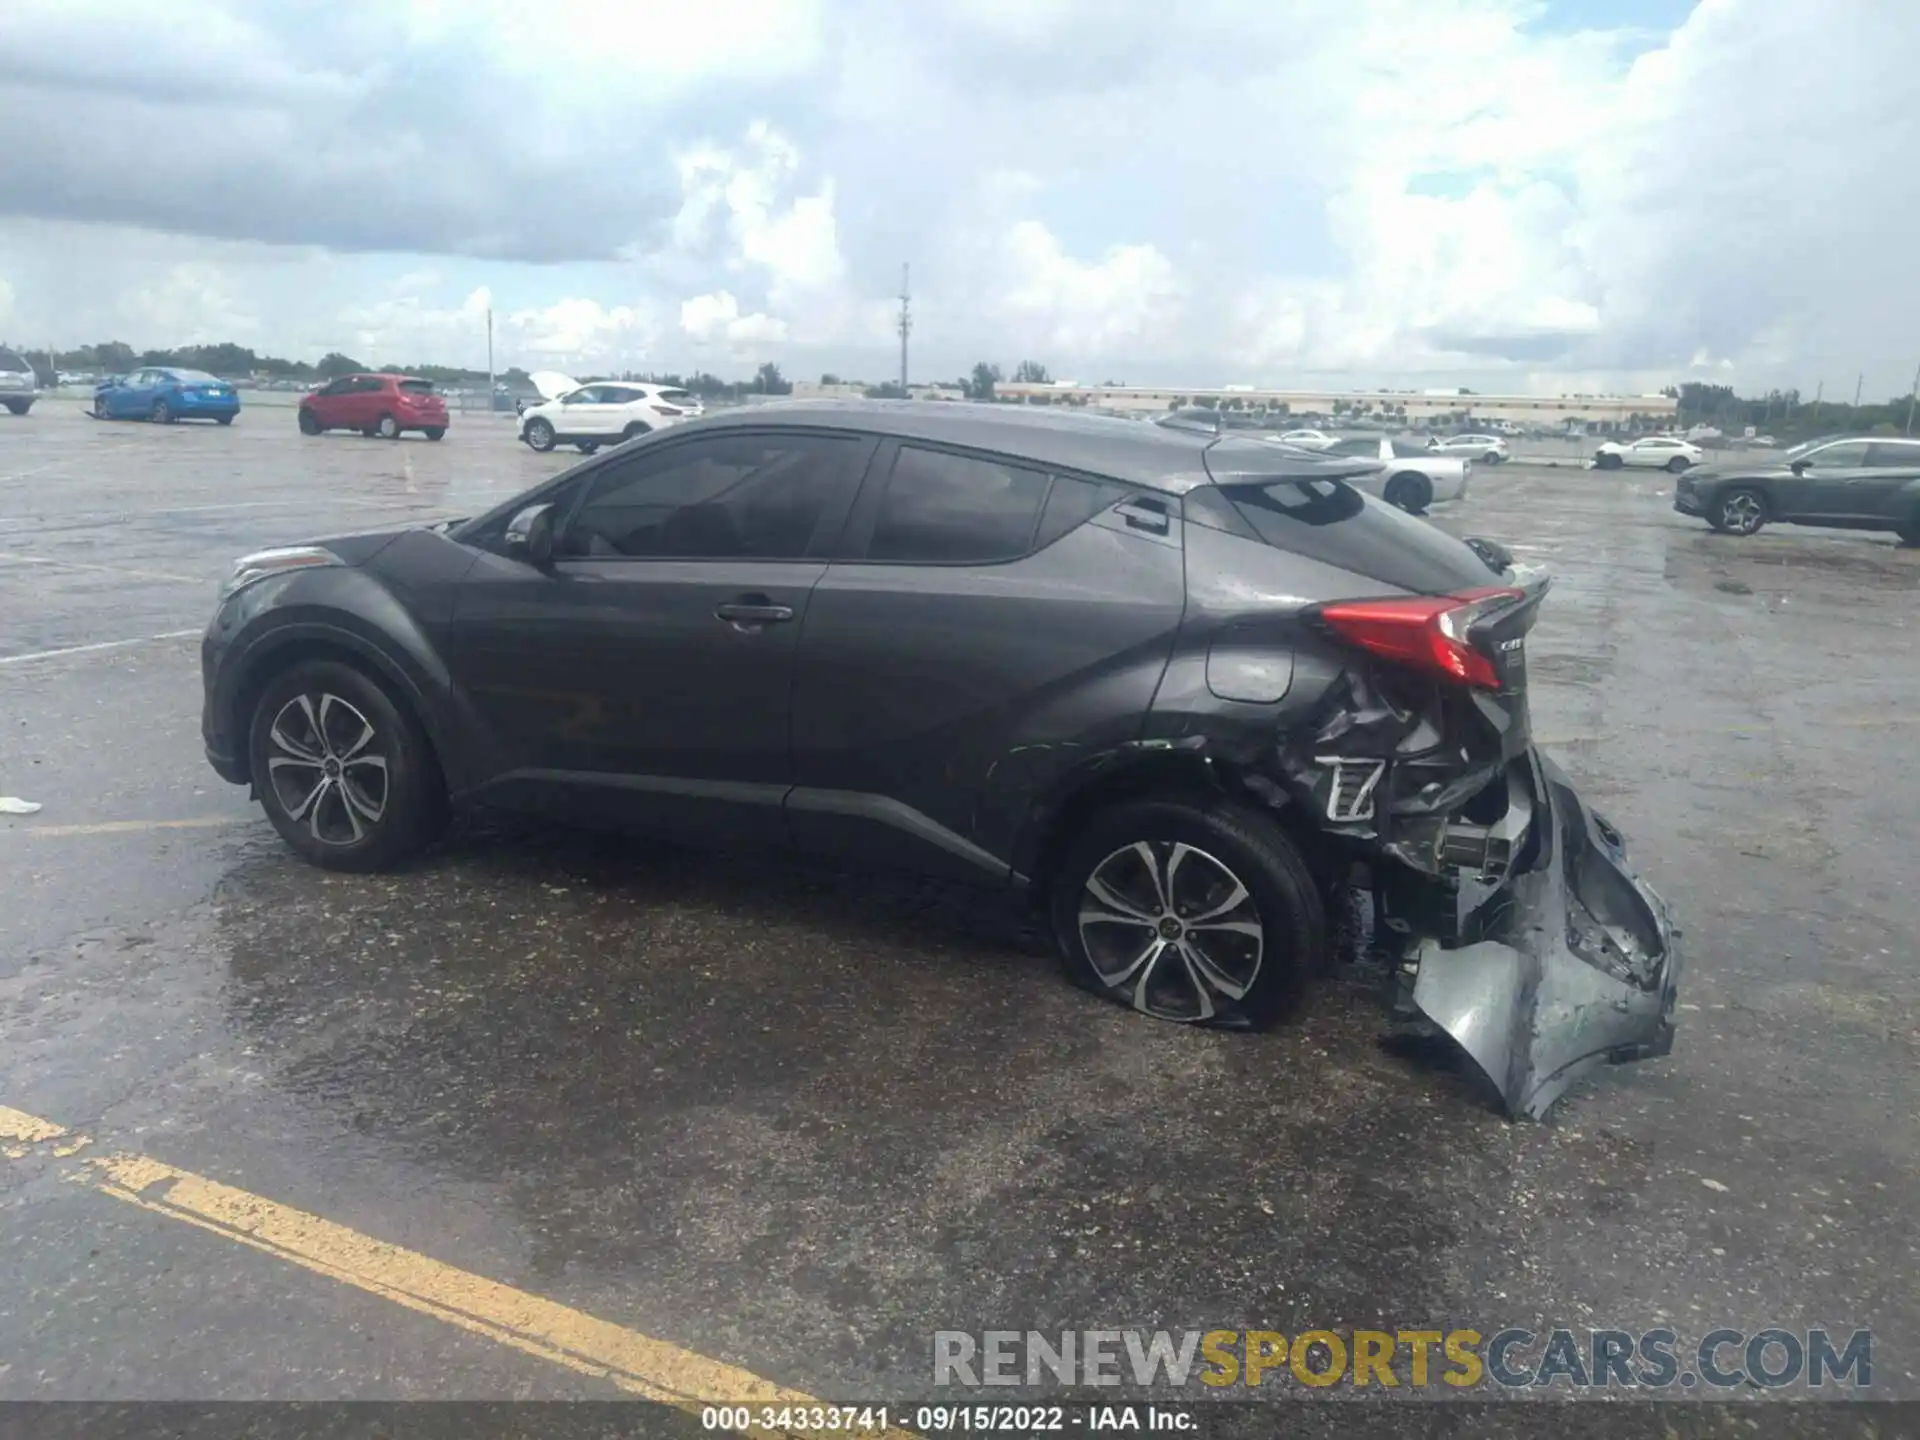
[[635, 431], [1909, 533], [310, 423], [1678, 465], [387, 428], [1741, 511], [343, 772], [224, 419], [586, 447], [1242, 927], [436, 432], [161, 414], [1492, 457], [1409, 491], [539, 435], [19, 407]]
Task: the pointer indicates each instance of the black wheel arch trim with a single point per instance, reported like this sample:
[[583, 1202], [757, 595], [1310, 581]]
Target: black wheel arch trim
[[416, 674]]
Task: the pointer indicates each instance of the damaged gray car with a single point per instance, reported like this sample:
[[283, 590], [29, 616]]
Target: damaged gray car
[[1221, 713]]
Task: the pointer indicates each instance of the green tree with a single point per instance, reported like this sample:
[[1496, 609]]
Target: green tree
[[887, 390], [768, 380], [829, 378], [333, 365], [1032, 372], [980, 386]]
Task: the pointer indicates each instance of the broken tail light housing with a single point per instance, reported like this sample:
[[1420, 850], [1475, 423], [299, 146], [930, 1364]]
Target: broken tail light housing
[[1426, 632]]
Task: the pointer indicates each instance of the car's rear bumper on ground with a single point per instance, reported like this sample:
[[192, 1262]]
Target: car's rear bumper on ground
[[1576, 967]]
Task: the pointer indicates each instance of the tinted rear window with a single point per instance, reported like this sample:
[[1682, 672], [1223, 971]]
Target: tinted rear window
[[10, 360], [1330, 521], [677, 397], [417, 387]]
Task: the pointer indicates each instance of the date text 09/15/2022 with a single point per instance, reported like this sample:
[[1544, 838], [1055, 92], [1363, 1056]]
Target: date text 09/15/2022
[[878, 1420]]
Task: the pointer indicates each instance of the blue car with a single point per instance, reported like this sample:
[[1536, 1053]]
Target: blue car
[[164, 394]]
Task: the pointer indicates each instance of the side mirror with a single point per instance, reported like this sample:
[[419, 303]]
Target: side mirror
[[529, 535]]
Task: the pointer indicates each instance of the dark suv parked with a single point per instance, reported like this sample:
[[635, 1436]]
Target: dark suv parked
[[1193, 692], [1852, 482]]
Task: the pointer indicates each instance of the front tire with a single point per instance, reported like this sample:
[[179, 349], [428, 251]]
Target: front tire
[[310, 423], [344, 774], [539, 435], [1196, 910], [1608, 462], [102, 410], [1741, 511], [1410, 492]]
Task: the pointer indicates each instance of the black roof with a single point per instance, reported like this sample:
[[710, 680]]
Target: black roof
[[1157, 456]]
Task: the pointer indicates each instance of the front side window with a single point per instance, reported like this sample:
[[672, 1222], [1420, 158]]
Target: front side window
[[732, 497], [1363, 448], [1839, 457], [941, 508]]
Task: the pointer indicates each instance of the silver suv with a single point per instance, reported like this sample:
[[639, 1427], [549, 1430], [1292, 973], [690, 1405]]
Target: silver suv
[[19, 387]]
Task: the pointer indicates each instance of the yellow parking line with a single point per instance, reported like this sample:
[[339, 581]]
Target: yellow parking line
[[129, 827], [639, 1364]]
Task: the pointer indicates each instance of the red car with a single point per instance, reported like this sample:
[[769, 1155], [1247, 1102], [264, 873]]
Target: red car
[[383, 405]]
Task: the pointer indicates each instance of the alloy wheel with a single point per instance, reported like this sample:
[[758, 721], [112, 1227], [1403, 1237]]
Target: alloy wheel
[[1740, 513], [327, 768], [1173, 928]]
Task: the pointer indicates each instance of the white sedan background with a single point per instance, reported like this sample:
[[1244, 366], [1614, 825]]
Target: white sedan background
[[1652, 452]]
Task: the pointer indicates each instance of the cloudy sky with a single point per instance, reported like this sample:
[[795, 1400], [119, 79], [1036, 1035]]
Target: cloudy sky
[[1522, 194]]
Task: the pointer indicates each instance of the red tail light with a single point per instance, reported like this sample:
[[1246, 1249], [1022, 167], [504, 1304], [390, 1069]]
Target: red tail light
[[1426, 632]]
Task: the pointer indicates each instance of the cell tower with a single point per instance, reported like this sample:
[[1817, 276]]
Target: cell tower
[[906, 325]]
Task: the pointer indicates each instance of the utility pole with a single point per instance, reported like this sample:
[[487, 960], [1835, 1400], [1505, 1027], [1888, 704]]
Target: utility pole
[[1819, 390], [1911, 393], [1856, 389], [490, 380], [906, 325]]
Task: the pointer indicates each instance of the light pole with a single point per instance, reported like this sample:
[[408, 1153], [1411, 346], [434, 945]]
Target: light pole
[[1913, 390], [490, 379]]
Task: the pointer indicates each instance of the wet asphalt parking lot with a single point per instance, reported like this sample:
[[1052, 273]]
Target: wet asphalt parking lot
[[796, 1122]]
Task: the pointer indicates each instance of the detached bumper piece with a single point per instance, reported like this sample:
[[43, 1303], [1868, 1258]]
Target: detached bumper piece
[[1565, 963]]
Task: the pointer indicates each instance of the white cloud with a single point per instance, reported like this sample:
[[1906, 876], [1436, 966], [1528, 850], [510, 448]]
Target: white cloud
[[1440, 188], [1128, 297], [717, 317]]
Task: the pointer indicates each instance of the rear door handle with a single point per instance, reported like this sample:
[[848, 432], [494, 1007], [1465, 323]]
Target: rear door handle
[[741, 612]]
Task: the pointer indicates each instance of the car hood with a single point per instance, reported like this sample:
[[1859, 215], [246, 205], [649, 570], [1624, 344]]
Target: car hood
[[1755, 469], [552, 384]]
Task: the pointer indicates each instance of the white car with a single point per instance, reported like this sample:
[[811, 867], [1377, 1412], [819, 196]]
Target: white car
[[1487, 449], [19, 386], [1307, 439], [1652, 452], [605, 413], [1411, 476]]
